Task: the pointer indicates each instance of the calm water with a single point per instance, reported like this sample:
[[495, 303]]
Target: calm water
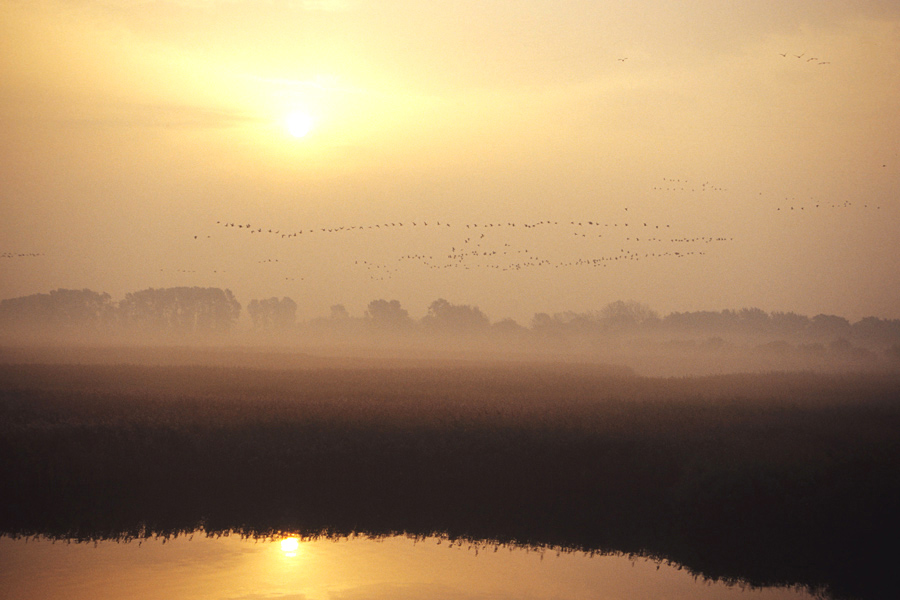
[[396, 568]]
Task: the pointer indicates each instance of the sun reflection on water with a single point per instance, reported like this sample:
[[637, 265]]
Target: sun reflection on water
[[290, 546]]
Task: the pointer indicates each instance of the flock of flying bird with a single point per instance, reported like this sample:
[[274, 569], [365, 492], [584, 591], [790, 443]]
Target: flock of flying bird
[[816, 204], [808, 59], [684, 185], [504, 246], [499, 246], [802, 56], [786, 203]]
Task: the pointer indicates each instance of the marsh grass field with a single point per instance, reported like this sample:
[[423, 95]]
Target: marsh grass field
[[768, 479]]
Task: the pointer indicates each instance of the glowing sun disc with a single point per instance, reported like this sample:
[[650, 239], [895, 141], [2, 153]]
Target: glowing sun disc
[[290, 545], [299, 124]]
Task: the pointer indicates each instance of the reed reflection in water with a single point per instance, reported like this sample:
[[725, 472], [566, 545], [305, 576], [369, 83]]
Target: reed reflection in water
[[391, 568]]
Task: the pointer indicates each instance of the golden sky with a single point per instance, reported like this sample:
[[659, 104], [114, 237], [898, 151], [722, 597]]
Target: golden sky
[[760, 141]]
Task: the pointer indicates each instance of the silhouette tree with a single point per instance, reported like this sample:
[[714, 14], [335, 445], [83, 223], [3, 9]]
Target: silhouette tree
[[460, 318], [216, 310], [273, 313], [61, 311], [789, 323], [339, 313], [541, 322], [508, 327], [829, 327], [623, 316], [877, 331], [257, 314], [701, 321], [753, 320], [180, 310], [385, 315]]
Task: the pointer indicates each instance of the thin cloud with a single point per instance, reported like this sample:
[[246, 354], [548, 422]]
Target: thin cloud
[[270, 597], [306, 5], [325, 5], [168, 116], [321, 82]]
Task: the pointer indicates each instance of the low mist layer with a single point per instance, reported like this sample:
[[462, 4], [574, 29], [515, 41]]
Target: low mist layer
[[626, 333]]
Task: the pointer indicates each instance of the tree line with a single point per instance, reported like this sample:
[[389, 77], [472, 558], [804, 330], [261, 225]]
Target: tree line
[[199, 310], [178, 310], [622, 316]]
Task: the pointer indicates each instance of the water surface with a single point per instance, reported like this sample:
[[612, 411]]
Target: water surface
[[392, 568]]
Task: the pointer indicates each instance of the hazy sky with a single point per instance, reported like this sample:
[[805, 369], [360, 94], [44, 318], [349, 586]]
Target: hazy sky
[[758, 140]]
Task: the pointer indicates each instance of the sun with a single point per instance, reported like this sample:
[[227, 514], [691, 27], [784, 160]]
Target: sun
[[299, 124]]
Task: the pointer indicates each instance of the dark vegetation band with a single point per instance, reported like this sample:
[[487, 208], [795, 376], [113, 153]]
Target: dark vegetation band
[[775, 479]]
